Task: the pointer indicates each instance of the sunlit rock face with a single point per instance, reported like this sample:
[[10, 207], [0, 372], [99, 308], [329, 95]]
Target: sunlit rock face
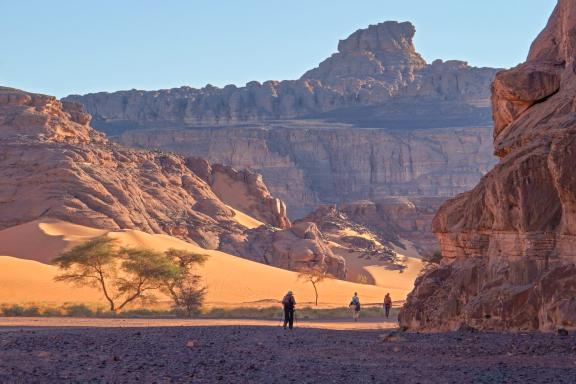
[[53, 164], [509, 244], [372, 120]]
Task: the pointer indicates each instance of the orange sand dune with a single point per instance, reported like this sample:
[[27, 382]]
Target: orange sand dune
[[230, 280]]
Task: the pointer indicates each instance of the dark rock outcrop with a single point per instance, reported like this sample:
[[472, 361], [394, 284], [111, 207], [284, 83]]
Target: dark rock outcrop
[[508, 245]]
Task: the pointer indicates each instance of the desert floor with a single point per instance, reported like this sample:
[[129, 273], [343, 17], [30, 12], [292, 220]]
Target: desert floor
[[264, 354]]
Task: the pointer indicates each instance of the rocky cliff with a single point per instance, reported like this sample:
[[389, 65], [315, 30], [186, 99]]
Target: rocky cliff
[[53, 164], [508, 245], [373, 66], [372, 120], [309, 166]]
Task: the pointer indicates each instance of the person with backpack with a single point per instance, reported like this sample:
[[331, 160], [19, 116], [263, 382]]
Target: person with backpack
[[289, 304], [355, 305], [387, 304]]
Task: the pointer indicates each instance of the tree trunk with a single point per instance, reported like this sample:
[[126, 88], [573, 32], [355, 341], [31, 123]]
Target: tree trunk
[[315, 291]]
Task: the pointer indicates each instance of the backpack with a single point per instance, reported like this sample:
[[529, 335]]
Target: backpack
[[288, 301], [355, 302]]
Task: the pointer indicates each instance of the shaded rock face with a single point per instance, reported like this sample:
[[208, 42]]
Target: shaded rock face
[[508, 245], [308, 167], [372, 120], [53, 164]]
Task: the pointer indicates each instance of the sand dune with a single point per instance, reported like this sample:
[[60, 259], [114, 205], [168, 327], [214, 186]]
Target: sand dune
[[230, 280], [245, 220]]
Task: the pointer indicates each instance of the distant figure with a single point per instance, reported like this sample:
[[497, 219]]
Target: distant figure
[[289, 304], [355, 305], [387, 304]]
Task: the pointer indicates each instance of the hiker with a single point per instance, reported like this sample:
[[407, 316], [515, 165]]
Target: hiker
[[387, 304], [355, 303], [289, 303]]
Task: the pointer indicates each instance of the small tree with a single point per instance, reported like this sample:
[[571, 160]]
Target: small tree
[[184, 288], [434, 257], [124, 275], [315, 276]]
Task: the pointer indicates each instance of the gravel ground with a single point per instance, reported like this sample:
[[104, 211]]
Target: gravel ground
[[248, 354]]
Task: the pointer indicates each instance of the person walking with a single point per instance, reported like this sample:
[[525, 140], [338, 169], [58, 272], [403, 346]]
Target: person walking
[[355, 305], [289, 304], [387, 305]]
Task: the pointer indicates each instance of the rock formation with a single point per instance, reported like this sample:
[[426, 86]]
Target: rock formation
[[53, 164], [372, 120], [243, 190], [299, 247], [508, 245], [350, 239], [307, 167], [372, 66]]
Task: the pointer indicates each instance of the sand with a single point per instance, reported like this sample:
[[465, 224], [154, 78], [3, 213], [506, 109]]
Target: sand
[[69, 322], [245, 220], [230, 280]]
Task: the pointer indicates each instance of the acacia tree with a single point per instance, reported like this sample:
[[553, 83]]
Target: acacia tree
[[184, 287], [314, 276], [123, 275]]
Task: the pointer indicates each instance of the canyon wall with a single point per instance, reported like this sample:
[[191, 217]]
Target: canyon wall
[[309, 166], [53, 164], [376, 66], [509, 244], [372, 120]]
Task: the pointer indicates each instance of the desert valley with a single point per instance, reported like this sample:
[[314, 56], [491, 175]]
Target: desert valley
[[152, 236]]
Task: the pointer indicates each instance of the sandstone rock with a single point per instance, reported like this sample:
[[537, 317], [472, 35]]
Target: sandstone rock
[[300, 247], [373, 66], [307, 167], [243, 190], [398, 221], [429, 124], [507, 245], [53, 164]]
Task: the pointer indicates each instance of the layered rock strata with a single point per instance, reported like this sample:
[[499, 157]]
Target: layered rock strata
[[373, 66], [306, 167], [508, 245], [426, 125]]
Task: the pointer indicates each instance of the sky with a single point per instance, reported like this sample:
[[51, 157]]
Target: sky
[[62, 47]]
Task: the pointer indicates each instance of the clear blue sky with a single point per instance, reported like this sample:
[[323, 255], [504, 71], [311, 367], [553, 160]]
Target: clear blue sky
[[60, 47]]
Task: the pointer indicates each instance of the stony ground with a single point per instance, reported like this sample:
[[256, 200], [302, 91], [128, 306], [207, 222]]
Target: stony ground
[[251, 354]]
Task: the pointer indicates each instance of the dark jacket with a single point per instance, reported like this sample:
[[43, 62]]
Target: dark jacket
[[289, 302]]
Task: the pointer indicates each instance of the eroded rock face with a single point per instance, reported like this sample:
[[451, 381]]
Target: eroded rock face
[[243, 190], [300, 247], [508, 245], [372, 66], [398, 221], [425, 127], [309, 167], [53, 164]]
